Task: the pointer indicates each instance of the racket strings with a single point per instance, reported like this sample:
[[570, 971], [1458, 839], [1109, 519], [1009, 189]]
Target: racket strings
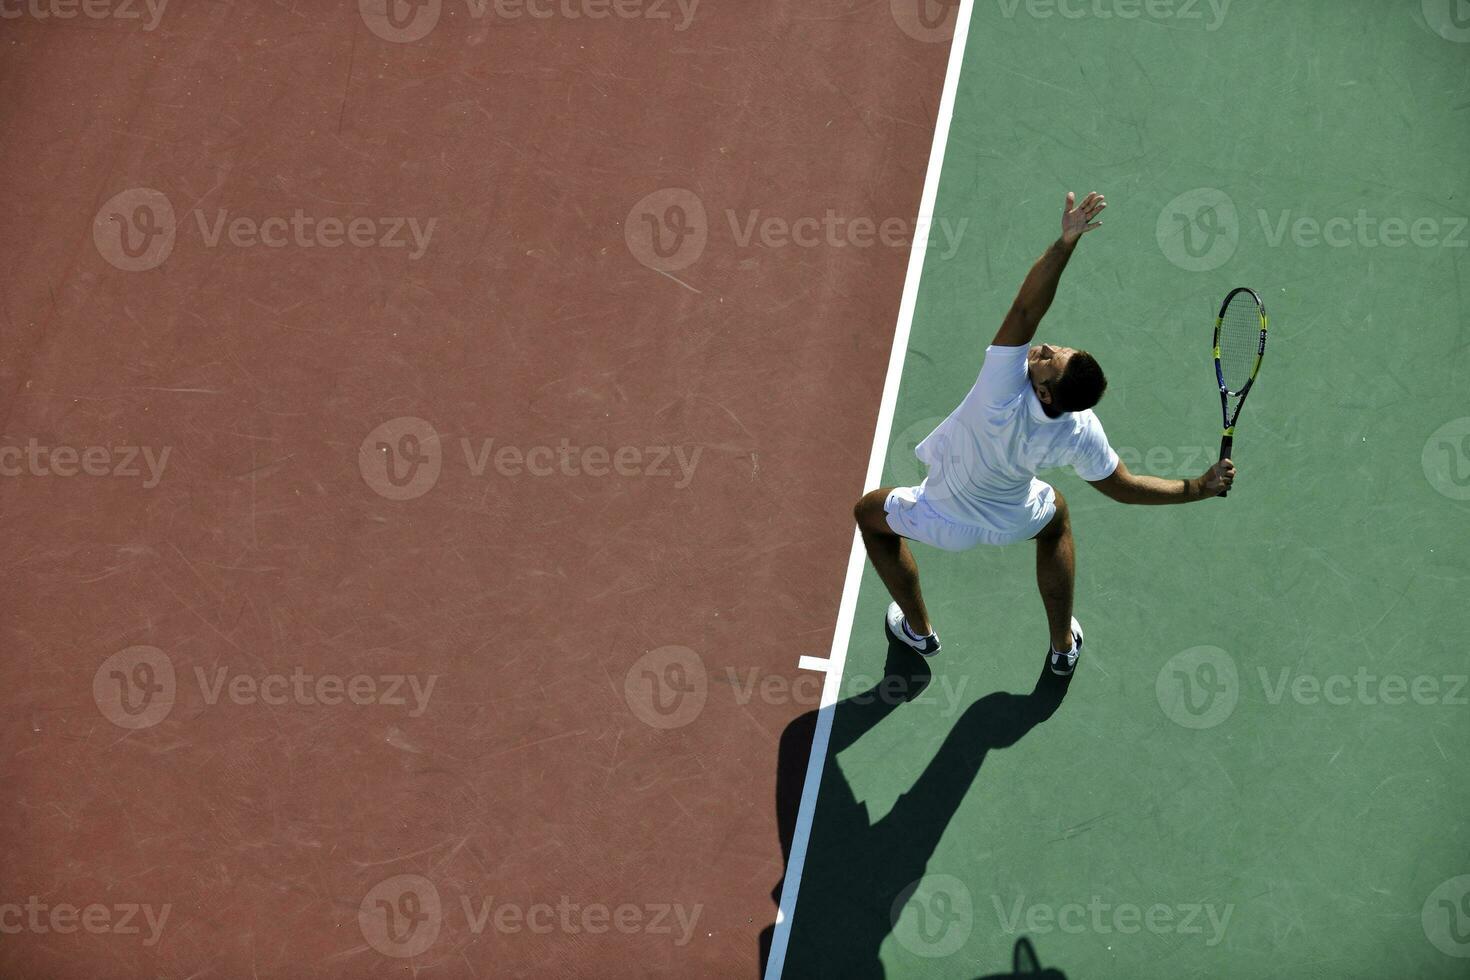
[[1240, 341]]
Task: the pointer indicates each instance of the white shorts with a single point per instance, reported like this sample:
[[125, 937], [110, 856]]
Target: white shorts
[[912, 516]]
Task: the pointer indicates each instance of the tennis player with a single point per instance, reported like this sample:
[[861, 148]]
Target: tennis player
[[1030, 410]]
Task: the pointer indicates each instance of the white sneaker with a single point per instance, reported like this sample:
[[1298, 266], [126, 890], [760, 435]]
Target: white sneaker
[[1064, 663], [894, 625]]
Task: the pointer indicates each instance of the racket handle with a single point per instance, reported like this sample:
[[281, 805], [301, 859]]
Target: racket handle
[[1226, 442]]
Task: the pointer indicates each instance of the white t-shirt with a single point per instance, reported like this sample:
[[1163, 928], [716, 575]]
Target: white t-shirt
[[984, 458]]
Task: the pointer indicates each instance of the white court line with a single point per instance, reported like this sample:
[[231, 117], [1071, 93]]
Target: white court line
[[856, 558]]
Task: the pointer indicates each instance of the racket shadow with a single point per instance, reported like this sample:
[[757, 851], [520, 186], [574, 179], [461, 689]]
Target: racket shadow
[[859, 871], [1025, 963]]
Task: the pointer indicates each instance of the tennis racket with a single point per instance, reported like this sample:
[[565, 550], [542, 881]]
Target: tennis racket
[[1240, 343]]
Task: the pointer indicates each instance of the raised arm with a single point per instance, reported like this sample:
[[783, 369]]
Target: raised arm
[[1129, 488], [1040, 287]]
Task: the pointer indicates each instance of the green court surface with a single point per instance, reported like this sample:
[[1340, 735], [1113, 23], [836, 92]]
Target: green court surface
[[1259, 769]]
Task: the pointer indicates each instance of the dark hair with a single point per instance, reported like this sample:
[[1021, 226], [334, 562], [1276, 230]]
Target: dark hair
[[1081, 385]]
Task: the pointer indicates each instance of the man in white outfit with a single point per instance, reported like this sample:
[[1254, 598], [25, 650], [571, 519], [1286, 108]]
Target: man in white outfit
[[1030, 410]]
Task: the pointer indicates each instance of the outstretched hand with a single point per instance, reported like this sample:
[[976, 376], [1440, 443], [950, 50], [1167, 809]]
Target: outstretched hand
[[1078, 220]]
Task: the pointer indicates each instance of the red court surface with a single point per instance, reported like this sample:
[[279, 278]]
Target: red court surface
[[408, 556]]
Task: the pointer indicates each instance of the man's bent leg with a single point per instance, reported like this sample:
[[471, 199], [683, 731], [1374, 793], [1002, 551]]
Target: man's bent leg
[[892, 559], [1056, 569]]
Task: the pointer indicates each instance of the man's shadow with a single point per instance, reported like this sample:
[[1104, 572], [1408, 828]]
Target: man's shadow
[[859, 872]]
